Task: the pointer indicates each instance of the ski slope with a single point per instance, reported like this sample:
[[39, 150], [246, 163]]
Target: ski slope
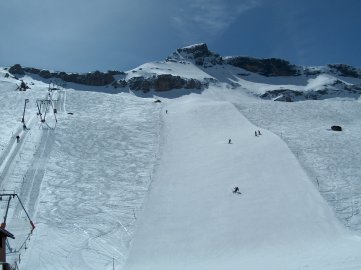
[[96, 177], [84, 179], [193, 221]]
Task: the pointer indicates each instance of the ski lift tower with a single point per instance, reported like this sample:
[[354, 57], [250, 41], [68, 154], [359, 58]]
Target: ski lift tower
[[4, 234], [26, 101], [43, 107]]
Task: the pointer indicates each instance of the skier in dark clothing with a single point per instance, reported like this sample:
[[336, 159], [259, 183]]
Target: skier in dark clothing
[[259, 132], [229, 141], [236, 190], [17, 138], [255, 133], [23, 86]]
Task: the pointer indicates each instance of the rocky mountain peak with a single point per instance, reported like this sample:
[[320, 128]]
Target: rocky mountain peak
[[199, 54]]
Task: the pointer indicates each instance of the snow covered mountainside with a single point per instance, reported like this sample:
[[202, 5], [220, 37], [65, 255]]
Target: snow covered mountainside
[[135, 170]]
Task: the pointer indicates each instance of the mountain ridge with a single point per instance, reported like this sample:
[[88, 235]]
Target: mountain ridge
[[194, 67]]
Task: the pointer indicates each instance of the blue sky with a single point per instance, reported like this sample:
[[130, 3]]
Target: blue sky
[[87, 35]]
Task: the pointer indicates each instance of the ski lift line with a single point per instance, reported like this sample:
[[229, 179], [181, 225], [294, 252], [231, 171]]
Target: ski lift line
[[24, 243]]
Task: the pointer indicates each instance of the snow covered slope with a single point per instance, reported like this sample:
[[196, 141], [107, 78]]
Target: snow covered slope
[[193, 221], [84, 178]]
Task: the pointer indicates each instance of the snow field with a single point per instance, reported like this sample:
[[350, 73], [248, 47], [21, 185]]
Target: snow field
[[193, 221], [85, 180], [95, 181], [331, 159]]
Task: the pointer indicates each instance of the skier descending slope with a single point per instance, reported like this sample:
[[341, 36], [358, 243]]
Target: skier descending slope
[[236, 190]]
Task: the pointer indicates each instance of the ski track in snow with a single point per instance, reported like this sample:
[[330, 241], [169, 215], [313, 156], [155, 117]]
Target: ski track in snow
[[96, 179]]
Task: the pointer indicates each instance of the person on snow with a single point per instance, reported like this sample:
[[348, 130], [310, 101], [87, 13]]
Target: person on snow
[[255, 133], [236, 190], [229, 141], [22, 86], [17, 138], [259, 133]]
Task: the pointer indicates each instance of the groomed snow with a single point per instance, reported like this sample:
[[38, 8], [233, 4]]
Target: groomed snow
[[193, 221]]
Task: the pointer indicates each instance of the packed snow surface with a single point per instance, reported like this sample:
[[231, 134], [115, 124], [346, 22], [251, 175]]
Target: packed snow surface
[[192, 220], [121, 180]]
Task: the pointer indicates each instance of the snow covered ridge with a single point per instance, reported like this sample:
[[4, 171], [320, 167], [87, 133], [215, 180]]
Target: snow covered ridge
[[269, 67], [194, 68]]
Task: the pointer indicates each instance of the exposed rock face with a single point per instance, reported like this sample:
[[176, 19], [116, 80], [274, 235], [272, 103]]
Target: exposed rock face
[[337, 89], [119, 84], [345, 70], [139, 83], [202, 56], [265, 67], [17, 70], [163, 82], [198, 50], [199, 54], [95, 78]]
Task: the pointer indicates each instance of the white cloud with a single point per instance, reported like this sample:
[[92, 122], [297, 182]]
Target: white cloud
[[210, 17]]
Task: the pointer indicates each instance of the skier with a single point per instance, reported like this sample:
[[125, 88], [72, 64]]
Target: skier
[[259, 133], [255, 133], [236, 190], [229, 141], [25, 127], [17, 138], [166, 111], [23, 86]]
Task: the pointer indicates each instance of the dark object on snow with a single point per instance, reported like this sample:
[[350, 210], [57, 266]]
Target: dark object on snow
[[259, 132], [336, 128], [229, 141], [55, 111], [25, 127], [255, 133], [236, 190], [166, 111], [157, 101], [70, 113], [23, 86], [17, 138]]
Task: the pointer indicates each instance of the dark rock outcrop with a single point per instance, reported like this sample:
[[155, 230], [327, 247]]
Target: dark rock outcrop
[[336, 128], [266, 67], [163, 82], [119, 84], [196, 51], [17, 70], [95, 78], [199, 54], [335, 90], [139, 83], [345, 70]]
